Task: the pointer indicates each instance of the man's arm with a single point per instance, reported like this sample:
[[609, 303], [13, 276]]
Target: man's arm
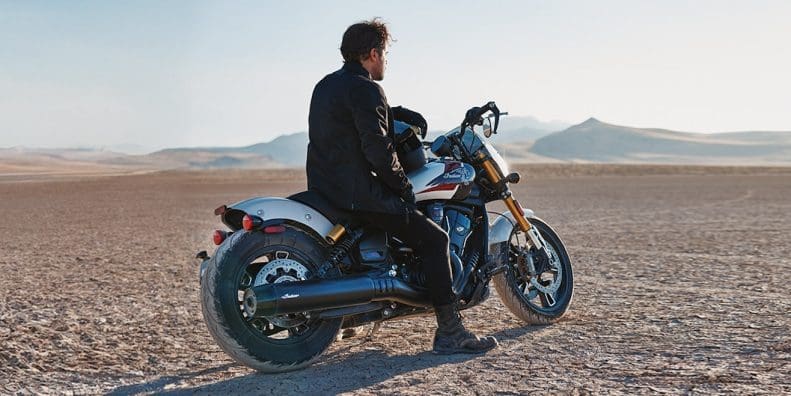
[[401, 113], [369, 110]]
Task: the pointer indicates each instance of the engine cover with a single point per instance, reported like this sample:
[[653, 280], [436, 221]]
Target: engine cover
[[458, 227]]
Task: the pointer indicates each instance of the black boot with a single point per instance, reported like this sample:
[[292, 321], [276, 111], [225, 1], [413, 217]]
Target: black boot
[[451, 336]]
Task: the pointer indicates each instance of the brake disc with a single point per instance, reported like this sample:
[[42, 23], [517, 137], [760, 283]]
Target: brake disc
[[557, 277], [280, 270]]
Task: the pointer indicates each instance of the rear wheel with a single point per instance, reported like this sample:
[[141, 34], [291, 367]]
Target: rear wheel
[[274, 344], [544, 296]]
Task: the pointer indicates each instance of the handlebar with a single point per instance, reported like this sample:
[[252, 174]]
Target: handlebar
[[475, 114]]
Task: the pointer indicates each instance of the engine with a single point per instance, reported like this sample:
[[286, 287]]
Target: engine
[[455, 221], [375, 251]]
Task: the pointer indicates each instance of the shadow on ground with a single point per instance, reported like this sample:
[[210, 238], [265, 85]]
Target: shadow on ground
[[337, 372]]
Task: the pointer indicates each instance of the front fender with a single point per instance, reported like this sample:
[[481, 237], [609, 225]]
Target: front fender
[[500, 231], [269, 208]]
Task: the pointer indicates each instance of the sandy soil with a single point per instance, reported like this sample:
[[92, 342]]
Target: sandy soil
[[681, 286]]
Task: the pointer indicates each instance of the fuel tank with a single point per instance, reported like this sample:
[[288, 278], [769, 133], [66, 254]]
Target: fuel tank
[[442, 179]]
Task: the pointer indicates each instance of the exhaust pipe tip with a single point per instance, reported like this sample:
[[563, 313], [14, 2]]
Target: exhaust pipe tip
[[261, 303]]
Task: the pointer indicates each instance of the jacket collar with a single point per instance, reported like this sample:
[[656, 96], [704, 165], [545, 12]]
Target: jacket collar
[[356, 68]]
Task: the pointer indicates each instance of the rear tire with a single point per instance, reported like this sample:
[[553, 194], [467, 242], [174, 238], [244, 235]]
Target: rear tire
[[531, 306], [259, 343]]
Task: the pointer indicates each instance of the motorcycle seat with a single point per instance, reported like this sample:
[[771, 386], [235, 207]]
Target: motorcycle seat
[[323, 206]]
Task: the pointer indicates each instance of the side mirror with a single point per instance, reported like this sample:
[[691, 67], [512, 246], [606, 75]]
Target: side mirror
[[487, 127]]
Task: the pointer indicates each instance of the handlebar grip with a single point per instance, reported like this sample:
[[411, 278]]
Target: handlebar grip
[[490, 106], [473, 115]]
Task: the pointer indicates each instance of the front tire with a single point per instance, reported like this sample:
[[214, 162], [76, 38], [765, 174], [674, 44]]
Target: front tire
[[277, 344], [536, 305]]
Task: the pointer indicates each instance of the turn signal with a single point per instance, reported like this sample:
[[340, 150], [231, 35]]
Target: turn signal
[[219, 236], [250, 222]]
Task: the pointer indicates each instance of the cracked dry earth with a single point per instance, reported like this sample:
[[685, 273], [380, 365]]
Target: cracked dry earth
[[681, 287]]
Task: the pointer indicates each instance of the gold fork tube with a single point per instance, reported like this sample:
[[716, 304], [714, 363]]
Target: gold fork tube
[[491, 171], [510, 202], [519, 215]]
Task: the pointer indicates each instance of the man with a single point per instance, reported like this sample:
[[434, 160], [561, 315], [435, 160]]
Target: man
[[353, 163]]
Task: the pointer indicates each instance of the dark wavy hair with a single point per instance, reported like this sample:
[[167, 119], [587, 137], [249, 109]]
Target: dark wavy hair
[[360, 38]]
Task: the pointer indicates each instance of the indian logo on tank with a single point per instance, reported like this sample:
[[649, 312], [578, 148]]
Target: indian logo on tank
[[455, 173]]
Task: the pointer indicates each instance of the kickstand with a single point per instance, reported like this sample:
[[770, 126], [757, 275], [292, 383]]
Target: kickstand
[[373, 331]]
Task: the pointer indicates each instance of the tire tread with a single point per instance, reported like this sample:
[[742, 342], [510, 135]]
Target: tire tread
[[514, 302]]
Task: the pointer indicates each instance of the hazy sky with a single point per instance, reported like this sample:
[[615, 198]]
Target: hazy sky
[[195, 73]]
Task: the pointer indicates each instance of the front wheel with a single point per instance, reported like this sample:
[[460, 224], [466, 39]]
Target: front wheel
[[273, 344], [543, 296]]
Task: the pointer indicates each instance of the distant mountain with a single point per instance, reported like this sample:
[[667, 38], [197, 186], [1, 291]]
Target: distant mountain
[[61, 154], [284, 151], [129, 148], [523, 129], [596, 141], [520, 139], [26, 161], [290, 150], [519, 152], [518, 129]]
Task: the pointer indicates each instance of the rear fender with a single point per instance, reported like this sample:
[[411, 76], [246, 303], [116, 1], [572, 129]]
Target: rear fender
[[272, 208]]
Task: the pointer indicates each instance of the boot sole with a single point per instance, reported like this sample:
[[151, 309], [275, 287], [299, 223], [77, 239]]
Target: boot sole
[[462, 351]]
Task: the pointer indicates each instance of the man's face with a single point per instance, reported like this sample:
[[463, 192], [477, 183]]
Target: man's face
[[378, 63]]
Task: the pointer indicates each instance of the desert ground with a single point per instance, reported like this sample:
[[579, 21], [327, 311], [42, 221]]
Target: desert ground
[[681, 278]]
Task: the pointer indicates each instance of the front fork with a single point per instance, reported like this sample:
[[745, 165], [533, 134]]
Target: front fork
[[536, 240]]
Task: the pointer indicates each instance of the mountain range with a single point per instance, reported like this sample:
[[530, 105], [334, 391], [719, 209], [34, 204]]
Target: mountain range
[[596, 141], [519, 139]]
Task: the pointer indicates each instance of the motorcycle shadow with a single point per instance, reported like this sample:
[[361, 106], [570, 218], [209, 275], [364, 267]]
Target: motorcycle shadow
[[355, 366]]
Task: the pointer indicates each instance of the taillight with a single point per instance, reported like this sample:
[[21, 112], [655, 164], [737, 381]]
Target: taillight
[[219, 236], [275, 229], [250, 222]]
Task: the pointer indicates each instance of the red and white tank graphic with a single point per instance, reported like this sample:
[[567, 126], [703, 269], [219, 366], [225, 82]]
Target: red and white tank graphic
[[442, 180]]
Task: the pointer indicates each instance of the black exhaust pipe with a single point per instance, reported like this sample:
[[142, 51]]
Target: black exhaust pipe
[[321, 294]]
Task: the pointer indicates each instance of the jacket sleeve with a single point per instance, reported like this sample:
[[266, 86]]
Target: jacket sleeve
[[369, 110]]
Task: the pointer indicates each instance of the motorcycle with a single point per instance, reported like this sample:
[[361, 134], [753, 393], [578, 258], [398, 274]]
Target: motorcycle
[[290, 273]]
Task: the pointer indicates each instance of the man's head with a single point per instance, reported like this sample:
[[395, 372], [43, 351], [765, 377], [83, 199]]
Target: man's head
[[366, 43]]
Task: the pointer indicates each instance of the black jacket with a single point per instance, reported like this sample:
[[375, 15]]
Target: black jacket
[[351, 155]]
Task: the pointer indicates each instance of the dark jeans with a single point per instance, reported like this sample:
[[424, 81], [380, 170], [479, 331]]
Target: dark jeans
[[428, 240]]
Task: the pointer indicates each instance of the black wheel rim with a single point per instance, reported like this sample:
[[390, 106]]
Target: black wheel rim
[[269, 329], [537, 291]]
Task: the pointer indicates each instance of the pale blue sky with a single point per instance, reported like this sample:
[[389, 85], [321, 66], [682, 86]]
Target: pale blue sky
[[198, 73]]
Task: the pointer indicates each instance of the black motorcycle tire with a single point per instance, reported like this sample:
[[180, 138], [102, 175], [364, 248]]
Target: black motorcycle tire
[[506, 285], [221, 309]]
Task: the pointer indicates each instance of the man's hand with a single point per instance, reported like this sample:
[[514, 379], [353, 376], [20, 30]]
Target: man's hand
[[403, 114]]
